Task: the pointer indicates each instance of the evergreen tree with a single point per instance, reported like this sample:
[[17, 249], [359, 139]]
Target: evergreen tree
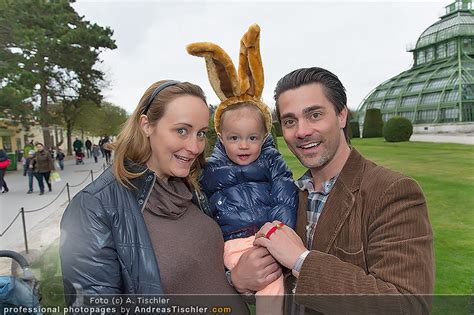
[[48, 50]]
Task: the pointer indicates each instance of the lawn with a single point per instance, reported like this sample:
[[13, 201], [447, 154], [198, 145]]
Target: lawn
[[445, 172]]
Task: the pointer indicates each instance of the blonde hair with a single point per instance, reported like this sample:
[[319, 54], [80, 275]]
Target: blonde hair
[[134, 146], [237, 106]]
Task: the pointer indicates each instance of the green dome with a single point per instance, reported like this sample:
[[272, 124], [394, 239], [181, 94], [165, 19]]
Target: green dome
[[439, 88], [454, 25]]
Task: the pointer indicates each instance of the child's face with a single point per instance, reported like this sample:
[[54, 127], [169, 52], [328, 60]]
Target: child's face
[[242, 134]]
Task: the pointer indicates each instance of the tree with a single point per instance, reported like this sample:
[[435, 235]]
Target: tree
[[87, 117], [47, 49], [12, 106], [66, 113], [114, 116]]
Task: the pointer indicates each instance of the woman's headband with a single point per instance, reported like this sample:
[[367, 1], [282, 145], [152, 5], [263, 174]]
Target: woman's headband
[[155, 93]]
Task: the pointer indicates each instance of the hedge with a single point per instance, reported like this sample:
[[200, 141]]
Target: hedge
[[354, 130], [373, 124]]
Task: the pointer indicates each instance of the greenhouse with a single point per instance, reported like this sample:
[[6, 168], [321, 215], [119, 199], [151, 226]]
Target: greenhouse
[[439, 88]]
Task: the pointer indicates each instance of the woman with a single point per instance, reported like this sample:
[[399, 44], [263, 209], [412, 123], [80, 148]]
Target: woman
[[42, 165], [135, 229], [4, 162]]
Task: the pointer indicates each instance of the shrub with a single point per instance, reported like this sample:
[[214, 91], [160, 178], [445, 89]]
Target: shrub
[[397, 129], [373, 124], [354, 131]]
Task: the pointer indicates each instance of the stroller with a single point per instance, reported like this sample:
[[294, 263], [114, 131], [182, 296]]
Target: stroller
[[79, 157], [19, 294]]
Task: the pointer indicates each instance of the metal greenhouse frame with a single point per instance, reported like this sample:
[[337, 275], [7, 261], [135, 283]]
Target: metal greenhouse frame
[[439, 88]]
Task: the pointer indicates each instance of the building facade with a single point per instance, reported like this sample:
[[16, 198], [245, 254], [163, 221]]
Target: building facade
[[439, 88]]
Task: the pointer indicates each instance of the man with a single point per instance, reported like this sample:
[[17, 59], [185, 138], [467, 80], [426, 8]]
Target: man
[[77, 145], [361, 229]]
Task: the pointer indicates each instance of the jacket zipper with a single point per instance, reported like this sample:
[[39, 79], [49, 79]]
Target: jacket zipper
[[148, 194]]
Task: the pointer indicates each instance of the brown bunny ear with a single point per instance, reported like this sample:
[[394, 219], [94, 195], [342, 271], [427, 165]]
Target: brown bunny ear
[[250, 63], [220, 69]]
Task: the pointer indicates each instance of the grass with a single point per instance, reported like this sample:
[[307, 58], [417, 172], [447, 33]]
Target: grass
[[445, 172]]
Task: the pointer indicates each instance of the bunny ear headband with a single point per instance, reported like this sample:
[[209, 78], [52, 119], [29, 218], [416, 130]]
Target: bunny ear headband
[[232, 87]]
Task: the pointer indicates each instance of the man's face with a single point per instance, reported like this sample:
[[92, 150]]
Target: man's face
[[311, 128]]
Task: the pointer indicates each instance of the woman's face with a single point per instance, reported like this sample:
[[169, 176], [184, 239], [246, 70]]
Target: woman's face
[[39, 147], [178, 138]]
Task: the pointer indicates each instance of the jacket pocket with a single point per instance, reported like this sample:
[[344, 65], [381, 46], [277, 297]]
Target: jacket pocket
[[354, 257]]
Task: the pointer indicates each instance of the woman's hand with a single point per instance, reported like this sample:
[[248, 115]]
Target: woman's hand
[[284, 244], [255, 270]]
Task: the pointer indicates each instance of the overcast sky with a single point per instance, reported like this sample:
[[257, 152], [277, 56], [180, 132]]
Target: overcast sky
[[364, 43]]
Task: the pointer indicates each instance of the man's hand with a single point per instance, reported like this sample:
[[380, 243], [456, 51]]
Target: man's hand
[[284, 244], [255, 270]]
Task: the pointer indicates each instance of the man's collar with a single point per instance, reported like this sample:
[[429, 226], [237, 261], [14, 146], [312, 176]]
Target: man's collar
[[305, 182], [350, 175]]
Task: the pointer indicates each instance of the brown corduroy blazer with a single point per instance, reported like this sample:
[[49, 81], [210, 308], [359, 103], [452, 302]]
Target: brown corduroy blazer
[[373, 237]]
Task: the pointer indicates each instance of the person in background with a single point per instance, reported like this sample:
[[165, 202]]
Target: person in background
[[60, 158], [4, 162], [88, 148], [52, 152], [77, 145], [106, 149], [100, 146], [29, 172], [95, 152], [26, 149], [42, 165]]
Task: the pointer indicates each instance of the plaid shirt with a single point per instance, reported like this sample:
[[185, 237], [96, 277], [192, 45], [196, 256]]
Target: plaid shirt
[[316, 202]]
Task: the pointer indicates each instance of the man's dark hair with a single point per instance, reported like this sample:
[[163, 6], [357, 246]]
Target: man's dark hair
[[332, 87]]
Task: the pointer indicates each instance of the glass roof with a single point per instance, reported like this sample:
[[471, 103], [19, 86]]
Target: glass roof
[[433, 77], [461, 23], [433, 87]]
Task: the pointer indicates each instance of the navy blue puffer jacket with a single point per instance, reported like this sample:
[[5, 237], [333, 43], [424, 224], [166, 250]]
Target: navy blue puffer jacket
[[243, 198]]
